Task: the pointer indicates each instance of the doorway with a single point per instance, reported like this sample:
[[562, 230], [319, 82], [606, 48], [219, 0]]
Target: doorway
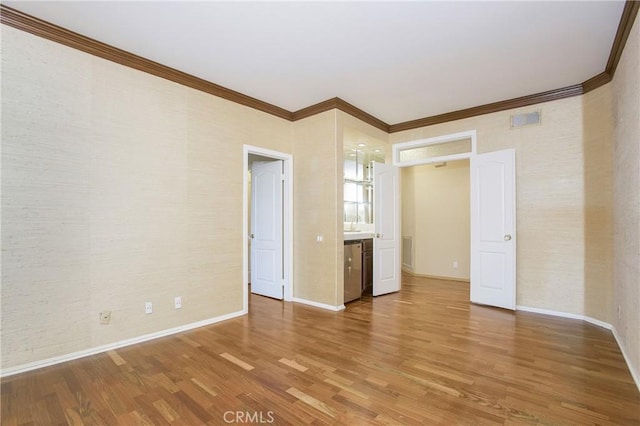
[[493, 211], [436, 220], [284, 206]]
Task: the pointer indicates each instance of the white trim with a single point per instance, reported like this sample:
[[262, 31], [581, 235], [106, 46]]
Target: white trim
[[632, 371], [565, 315], [397, 147], [116, 345], [319, 305], [598, 322], [432, 160], [288, 220]]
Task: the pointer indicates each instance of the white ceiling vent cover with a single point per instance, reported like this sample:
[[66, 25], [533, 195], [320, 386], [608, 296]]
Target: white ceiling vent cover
[[528, 119]]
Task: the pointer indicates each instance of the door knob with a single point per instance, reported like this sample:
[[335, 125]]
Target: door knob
[[377, 235], [507, 237]]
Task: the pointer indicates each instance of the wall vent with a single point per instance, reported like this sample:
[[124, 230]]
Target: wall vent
[[528, 119], [407, 252]]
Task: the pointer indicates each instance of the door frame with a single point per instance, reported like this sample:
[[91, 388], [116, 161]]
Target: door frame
[[287, 215], [470, 134], [471, 154]]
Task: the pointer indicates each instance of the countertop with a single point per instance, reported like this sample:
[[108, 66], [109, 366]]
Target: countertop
[[358, 235]]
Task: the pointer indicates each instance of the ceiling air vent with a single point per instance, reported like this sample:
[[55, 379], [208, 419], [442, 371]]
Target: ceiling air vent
[[528, 119]]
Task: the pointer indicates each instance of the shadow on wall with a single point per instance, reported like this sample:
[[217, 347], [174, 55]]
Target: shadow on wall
[[598, 133]]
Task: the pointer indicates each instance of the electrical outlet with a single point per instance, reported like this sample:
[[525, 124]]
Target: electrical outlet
[[455, 264], [105, 317], [177, 302], [148, 307]]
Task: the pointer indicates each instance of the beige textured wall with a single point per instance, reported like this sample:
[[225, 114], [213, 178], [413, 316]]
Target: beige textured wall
[[550, 197], [118, 188], [598, 203], [441, 218], [318, 275], [626, 218]]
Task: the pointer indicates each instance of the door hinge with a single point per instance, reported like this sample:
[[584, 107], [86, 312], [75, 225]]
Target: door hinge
[[282, 176]]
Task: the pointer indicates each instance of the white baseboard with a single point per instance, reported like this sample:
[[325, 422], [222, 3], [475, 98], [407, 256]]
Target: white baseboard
[[116, 345], [632, 371], [436, 277], [319, 305], [565, 315]]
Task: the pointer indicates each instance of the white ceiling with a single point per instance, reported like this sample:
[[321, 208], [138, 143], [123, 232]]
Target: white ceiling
[[398, 61]]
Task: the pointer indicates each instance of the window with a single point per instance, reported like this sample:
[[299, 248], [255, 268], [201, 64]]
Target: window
[[452, 147]]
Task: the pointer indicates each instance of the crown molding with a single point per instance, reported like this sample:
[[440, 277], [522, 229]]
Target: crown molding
[[38, 27], [362, 115], [318, 108], [627, 19], [629, 14], [537, 98], [22, 21], [596, 81], [344, 106]]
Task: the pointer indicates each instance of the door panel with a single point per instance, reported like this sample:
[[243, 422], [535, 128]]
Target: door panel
[[387, 261], [266, 229], [492, 267], [493, 226], [386, 205], [491, 199]]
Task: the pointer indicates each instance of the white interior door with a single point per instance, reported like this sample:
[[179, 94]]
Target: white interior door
[[386, 218], [493, 226], [267, 277]]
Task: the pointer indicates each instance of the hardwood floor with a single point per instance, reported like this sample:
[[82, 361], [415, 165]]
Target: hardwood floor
[[421, 356]]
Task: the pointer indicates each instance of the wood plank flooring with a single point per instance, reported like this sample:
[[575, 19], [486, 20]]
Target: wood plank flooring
[[424, 355]]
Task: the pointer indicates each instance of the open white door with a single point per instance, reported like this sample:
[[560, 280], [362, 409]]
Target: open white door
[[493, 226], [266, 229], [386, 218]]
